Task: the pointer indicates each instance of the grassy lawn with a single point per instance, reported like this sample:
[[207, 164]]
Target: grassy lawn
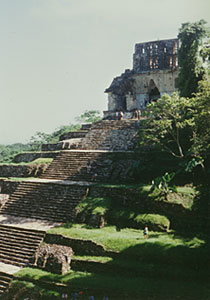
[[164, 267], [18, 178], [118, 240], [115, 286]]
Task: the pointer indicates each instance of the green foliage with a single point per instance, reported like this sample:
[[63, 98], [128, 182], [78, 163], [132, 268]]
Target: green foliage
[[94, 206], [169, 125], [90, 116], [191, 68], [123, 217], [194, 162], [202, 119], [153, 219], [205, 54], [8, 152], [155, 282], [162, 183], [44, 138]]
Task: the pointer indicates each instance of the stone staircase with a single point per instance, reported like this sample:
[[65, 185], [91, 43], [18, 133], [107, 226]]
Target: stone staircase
[[17, 245], [44, 201], [72, 165], [112, 135], [5, 280], [115, 135]]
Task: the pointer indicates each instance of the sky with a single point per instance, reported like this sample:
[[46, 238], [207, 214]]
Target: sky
[[58, 56]]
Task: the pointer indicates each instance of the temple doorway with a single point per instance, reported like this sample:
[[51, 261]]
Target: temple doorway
[[154, 93]]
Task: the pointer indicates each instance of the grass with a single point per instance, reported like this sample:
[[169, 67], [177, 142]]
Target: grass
[[117, 286], [94, 206], [144, 207], [101, 259], [18, 178], [185, 196], [113, 239], [40, 160], [37, 161], [166, 266]]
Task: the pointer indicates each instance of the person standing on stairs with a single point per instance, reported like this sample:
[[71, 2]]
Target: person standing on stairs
[[88, 165]]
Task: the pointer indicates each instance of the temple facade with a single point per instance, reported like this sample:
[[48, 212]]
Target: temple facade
[[154, 73]]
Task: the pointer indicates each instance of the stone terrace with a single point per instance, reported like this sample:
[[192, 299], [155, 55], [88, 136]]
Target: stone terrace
[[53, 197], [44, 201]]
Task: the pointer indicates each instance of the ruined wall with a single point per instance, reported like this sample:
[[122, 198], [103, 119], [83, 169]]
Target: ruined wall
[[33, 170], [156, 55], [164, 80], [30, 156], [155, 72]]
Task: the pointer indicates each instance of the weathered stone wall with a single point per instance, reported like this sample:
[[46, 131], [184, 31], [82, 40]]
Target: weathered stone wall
[[156, 55], [53, 258], [163, 80], [22, 170], [80, 247], [30, 156], [63, 145]]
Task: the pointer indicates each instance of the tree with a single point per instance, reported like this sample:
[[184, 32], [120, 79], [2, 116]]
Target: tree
[[89, 116], [38, 139], [191, 68], [170, 125], [202, 118]]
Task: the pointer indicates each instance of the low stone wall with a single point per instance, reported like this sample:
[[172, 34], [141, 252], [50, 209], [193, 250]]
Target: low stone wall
[[72, 143], [80, 247], [73, 135], [52, 147], [30, 156], [22, 170]]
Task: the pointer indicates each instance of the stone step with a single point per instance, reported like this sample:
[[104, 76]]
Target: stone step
[[72, 165], [17, 263], [29, 248], [21, 232], [17, 245], [22, 238], [63, 219], [43, 215], [45, 201], [5, 280], [15, 254]]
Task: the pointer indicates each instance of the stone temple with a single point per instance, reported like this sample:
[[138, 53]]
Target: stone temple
[[154, 73]]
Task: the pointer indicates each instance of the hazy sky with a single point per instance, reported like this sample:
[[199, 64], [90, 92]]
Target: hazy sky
[[58, 56]]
